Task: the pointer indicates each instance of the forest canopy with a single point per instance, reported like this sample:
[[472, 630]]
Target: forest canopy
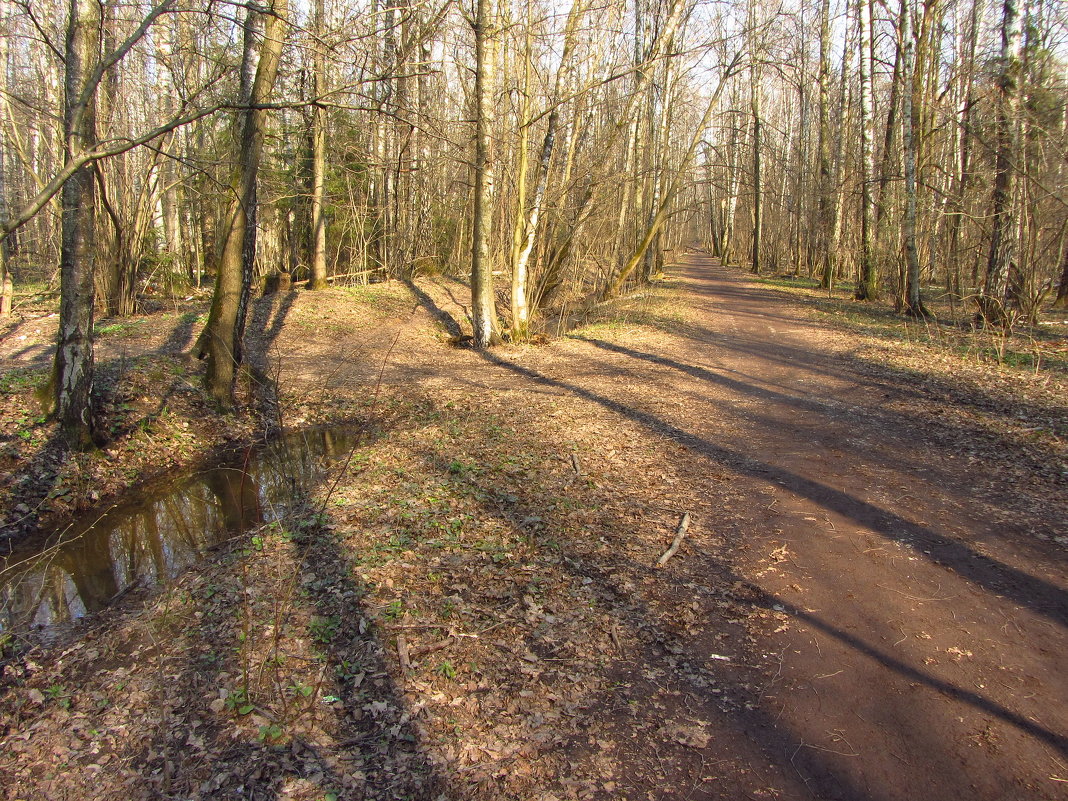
[[147, 150]]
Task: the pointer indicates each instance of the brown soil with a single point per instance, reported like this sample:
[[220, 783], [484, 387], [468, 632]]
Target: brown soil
[[870, 602]]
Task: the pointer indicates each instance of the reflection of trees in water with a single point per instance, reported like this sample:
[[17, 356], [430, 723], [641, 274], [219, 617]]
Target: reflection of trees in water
[[237, 499], [46, 597], [91, 566], [152, 542], [155, 540], [65, 583]]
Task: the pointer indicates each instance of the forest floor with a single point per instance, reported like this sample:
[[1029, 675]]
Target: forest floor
[[870, 600]]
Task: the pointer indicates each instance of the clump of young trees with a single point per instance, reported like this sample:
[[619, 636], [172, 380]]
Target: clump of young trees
[[566, 147]]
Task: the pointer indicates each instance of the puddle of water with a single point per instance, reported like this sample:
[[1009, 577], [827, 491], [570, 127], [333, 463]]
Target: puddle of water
[[82, 568]]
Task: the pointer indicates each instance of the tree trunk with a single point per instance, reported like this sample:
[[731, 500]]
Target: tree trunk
[[1061, 301], [962, 165], [911, 118], [868, 285], [483, 313], [73, 373], [317, 280], [221, 339], [6, 286], [754, 107], [1005, 218], [887, 165], [758, 199], [734, 155], [520, 305], [838, 167]]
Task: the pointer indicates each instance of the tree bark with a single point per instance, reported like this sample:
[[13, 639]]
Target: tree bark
[[520, 306], [912, 88], [73, 371], [317, 280], [1061, 301], [483, 312], [734, 155], [754, 108], [758, 195], [887, 165], [838, 164], [825, 233], [6, 285], [962, 164], [221, 341], [868, 283], [992, 308]]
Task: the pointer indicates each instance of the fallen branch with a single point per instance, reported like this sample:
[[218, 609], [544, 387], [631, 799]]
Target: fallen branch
[[356, 274], [684, 525], [416, 653]]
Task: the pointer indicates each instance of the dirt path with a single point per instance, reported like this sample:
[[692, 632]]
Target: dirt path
[[925, 650]]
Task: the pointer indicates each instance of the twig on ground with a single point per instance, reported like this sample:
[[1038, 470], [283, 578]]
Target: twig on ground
[[402, 653], [684, 525], [913, 597], [429, 649]]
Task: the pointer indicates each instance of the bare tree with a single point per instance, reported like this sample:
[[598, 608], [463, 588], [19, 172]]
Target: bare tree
[[73, 372], [483, 313], [221, 341], [992, 306], [911, 124], [868, 282], [317, 279]]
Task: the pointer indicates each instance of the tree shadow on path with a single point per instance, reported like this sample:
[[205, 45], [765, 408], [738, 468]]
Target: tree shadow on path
[[438, 313], [996, 577], [350, 736]]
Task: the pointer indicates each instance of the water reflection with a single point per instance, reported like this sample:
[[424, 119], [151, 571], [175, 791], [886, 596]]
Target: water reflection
[[79, 570]]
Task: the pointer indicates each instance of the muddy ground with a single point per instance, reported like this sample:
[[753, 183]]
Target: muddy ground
[[869, 599]]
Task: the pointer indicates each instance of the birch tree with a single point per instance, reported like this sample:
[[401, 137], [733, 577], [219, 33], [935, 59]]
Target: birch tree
[[823, 148], [483, 311], [868, 280], [73, 370]]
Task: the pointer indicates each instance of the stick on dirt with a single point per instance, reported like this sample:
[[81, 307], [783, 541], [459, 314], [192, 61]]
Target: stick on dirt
[[684, 525], [402, 653]]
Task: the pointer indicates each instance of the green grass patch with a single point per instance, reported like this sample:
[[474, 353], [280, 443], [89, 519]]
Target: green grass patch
[[25, 289], [788, 281], [21, 379], [656, 306], [116, 329], [384, 296], [1024, 350]]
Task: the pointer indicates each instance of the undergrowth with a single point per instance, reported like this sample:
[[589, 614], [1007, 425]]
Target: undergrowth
[[950, 330]]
